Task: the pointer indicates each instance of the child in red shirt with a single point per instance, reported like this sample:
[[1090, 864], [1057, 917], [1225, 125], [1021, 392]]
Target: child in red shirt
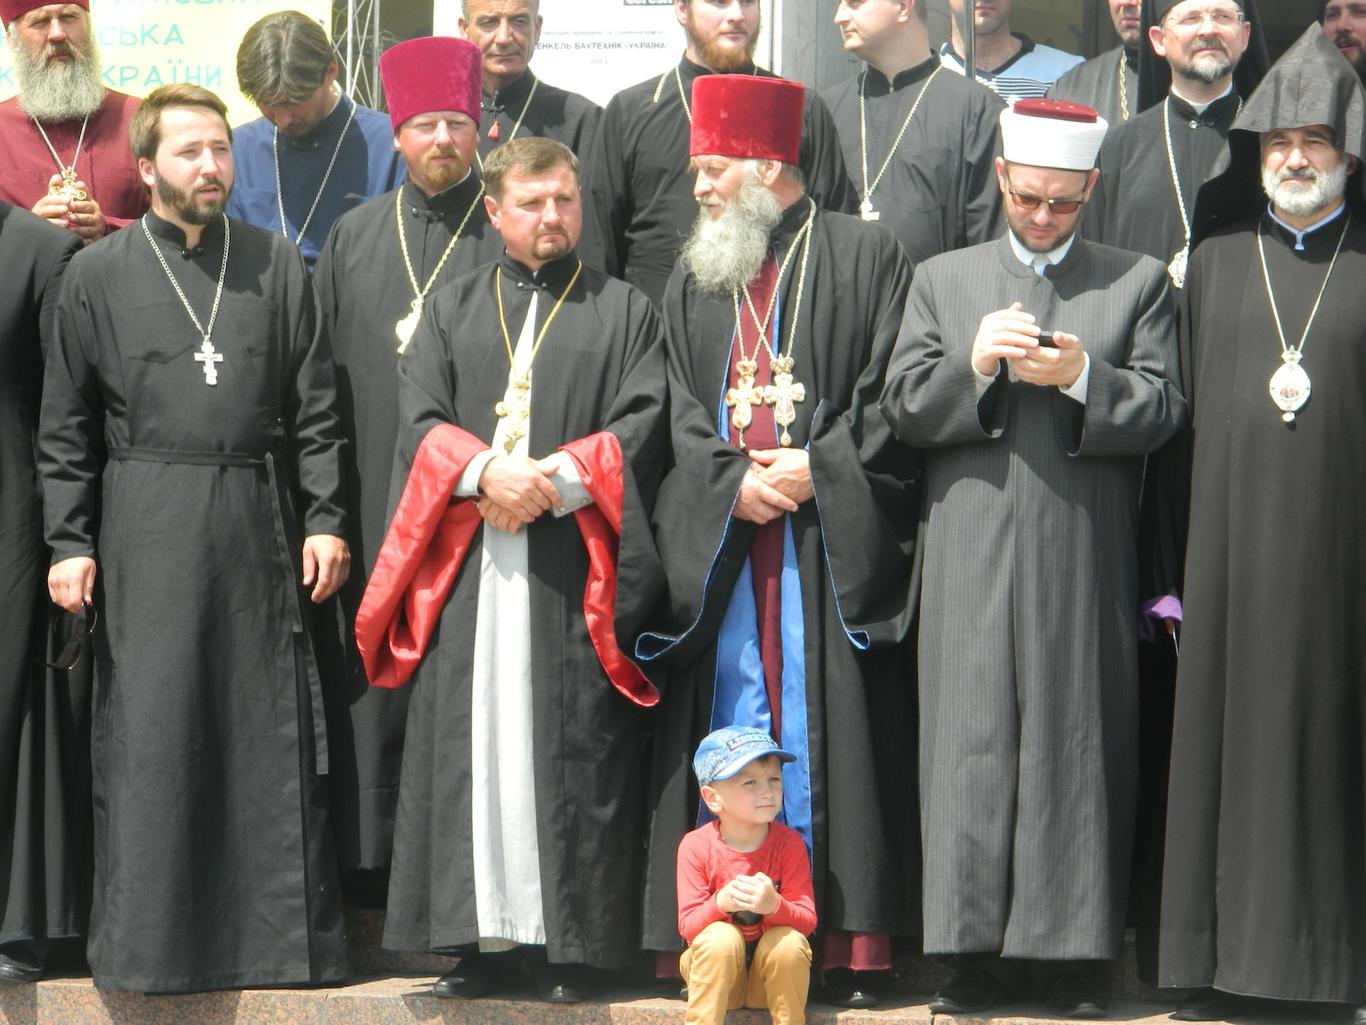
[[744, 887]]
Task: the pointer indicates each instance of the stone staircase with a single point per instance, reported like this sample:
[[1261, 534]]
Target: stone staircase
[[392, 989]]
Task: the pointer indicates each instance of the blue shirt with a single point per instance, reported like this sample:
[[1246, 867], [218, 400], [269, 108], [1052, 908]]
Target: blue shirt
[[367, 165]]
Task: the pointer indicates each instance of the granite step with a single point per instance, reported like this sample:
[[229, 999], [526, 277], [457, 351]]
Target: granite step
[[407, 1000]]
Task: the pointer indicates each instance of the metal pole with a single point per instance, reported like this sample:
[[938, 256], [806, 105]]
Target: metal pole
[[351, 47], [969, 39], [375, 86]]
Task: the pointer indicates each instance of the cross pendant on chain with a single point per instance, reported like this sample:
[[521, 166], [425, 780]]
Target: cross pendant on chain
[[209, 356]]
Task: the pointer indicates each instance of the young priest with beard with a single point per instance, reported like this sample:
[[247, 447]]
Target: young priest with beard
[[190, 458], [786, 524], [64, 135]]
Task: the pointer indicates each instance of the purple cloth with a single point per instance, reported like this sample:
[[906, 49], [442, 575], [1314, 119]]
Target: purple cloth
[[1168, 606]]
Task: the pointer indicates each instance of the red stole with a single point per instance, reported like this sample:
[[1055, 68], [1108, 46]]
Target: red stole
[[431, 533]]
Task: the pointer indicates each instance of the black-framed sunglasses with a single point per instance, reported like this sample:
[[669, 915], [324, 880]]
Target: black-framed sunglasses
[[78, 641], [1027, 201]]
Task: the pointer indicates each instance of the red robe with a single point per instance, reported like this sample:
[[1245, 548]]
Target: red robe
[[105, 163]]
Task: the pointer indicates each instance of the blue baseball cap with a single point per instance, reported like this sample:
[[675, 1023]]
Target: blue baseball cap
[[726, 751]]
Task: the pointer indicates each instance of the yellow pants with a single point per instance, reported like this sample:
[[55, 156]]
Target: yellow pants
[[714, 969]]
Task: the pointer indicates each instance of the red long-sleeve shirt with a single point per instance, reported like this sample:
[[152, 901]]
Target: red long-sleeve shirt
[[706, 863]]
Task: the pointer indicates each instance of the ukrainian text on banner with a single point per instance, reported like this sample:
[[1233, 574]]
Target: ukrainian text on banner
[[147, 43], [599, 47]]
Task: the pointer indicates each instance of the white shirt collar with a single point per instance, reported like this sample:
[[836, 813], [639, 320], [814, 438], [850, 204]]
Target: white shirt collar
[[1300, 233], [1200, 108], [1029, 258]]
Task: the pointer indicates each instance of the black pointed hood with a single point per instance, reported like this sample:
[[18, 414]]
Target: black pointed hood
[[1312, 84], [1155, 76]]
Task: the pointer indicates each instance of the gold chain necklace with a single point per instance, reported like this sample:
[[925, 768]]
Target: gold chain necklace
[[405, 327], [515, 406], [1123, 88], [866, 210], [784, 391]]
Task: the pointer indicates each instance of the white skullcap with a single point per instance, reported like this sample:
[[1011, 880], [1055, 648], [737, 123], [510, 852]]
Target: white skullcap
[[1052, 133]]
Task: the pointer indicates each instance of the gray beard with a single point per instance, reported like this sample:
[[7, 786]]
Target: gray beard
[[59, 92], [725, 253], [1324, 191], [1207, 69]]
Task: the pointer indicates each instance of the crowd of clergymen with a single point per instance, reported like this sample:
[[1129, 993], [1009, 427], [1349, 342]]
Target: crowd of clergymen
[[419, 495]]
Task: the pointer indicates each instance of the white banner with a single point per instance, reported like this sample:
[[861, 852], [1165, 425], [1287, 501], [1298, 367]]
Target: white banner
[[598, 47], [147, 43]]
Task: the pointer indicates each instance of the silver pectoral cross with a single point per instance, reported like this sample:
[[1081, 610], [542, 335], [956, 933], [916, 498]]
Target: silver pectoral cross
[[209, 357], [866, 211]]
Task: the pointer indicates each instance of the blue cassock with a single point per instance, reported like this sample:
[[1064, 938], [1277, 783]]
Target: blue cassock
[[367, 165]]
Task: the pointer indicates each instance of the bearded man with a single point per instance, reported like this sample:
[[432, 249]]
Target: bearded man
[[64, 135], [637, 193], [1203, 57], [1264, 892], [1035, 373], [380, 266], [786, 525], [190, 458], [1344, 22]]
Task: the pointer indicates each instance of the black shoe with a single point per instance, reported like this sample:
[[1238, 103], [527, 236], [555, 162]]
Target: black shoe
[[560, 983], [1073, 993], [971, 990], [475, 976], [19, 970], [1203, 1005], [845, 987]]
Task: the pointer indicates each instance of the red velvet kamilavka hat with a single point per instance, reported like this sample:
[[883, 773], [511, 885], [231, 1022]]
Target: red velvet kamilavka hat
[[11, 9], [746, 116], [429, 73]]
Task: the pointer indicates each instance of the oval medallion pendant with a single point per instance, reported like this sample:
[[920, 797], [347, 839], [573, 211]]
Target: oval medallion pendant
[[1289, 386]]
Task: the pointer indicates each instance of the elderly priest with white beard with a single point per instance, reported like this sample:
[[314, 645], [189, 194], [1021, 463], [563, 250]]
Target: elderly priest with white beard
[[1035, 373], [786, 523], [64, 135]]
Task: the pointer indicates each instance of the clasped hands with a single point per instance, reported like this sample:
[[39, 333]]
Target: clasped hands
[[777, 481], [516, 490], [754, 893], [82, 216], [1013, 335]]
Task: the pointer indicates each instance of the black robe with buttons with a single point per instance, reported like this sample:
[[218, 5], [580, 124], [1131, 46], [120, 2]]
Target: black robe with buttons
[[363, 291], [214, 862], [550, 113]]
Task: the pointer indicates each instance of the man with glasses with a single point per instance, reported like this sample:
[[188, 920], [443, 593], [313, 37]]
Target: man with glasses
[[1035, 373], [1206, 55]]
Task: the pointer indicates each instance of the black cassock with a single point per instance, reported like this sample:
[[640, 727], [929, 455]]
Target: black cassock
[[846, 604], [1134, 205], [1265, 884], [939, 191], [41, 715], [363, 291], [638, 199], [1097, 83], [552, 113], [214, 862], [600, 369]]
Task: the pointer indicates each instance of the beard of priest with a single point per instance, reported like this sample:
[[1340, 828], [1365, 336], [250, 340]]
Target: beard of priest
[[711, 31], [438, 147], [56, 64], [741, 203], [190, 188]]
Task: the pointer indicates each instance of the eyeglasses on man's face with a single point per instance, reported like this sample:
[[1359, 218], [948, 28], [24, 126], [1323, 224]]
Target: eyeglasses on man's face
[[1029, 201], [1190, 22]]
